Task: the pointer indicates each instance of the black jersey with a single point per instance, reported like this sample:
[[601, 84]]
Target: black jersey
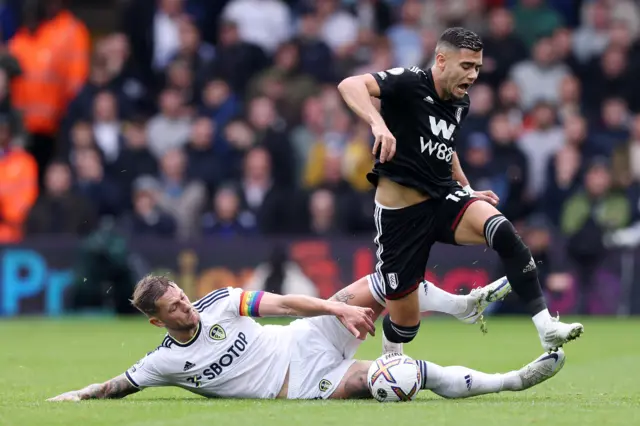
[[425, 129]]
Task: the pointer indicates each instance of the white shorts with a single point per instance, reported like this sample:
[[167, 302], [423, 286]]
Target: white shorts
[[322, 352]]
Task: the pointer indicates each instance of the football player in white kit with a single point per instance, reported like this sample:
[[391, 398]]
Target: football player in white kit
[[214, 348]]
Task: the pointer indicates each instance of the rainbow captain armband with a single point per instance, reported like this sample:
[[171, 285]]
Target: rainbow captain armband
[[250, 303]]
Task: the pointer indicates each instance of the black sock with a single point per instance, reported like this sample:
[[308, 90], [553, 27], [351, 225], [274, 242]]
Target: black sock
[[520, 266], [398, 333]]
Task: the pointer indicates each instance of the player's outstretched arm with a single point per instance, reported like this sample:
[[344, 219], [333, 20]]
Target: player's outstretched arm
[[116, 388], [354, 318]]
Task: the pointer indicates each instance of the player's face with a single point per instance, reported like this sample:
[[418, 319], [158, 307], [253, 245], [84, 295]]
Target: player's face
[[175, 311], [461, 69]]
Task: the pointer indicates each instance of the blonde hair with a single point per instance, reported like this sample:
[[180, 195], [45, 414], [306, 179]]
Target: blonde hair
[[147, 292]]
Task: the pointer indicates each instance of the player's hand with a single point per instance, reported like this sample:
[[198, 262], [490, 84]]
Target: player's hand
[[488, 196], [357, 319], [67, 396], [385, 141]]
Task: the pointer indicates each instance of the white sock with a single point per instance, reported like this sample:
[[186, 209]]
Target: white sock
[[541, 319], [459, 382], [435, 299], [432, 298]]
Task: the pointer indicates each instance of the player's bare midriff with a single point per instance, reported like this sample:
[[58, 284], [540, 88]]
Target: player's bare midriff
[[393, 195], [284, 391]]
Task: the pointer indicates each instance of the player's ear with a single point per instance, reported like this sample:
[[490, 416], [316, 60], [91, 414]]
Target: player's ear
[[155, 321], [441, 59]]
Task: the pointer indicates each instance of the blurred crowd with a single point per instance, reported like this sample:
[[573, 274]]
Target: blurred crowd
[[200, 118]]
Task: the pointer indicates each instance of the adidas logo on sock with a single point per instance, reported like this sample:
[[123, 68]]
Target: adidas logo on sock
[[530, 267], [469, 381], [188, 366]]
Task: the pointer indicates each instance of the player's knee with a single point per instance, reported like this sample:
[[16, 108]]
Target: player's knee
[[503, 237], [399, 333]]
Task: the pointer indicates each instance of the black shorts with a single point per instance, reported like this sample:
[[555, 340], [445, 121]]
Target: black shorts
[[405, 236]]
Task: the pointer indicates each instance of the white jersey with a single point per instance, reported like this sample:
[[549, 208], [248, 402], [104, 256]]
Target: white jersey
[[230, 355]]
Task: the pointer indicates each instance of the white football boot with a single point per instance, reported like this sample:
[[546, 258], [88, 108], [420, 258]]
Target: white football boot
[[556, 334], [541, 369], [481, 298]]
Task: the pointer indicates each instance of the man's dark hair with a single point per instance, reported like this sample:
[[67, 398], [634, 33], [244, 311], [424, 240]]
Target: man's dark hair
[[460, 38]]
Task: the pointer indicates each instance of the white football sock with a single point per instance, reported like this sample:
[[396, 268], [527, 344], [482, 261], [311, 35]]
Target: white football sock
[[460, 382], [432, 298], [541, 319], [435, 299]]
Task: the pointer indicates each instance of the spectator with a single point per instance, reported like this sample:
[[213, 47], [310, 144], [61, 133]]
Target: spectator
[[180, 197], [563, 50], [179, 77], [135, 160], [192, 50], [591, 39], [612, 129], [81, 106], [479, 167], [107, 129], [479, 112], [203, 163], [539, 144], [148, 219], [171, 127], [405, 36], [94, 184], [226, 218], [509, 102], [323, 220], [220, 104], [18, 184], [509, 158], [586, 217], [236, 62], [284, 83], [125, 78], [240, 139], [81, 137], [316, 57], [266, 23], [534, 20], [339, 28], [576, 135], [564, 175], [570, 102], [614, 80], [539, 78], [270, 204], [59, 209], [44, 89], [502, 48], [271, 132]]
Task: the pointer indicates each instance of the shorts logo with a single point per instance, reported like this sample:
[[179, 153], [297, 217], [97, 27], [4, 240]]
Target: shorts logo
[[392, 279], [324, 385], [217, 332]]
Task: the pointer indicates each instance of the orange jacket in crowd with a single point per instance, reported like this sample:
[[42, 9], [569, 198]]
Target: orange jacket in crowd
[[18, 192], [55, 63]]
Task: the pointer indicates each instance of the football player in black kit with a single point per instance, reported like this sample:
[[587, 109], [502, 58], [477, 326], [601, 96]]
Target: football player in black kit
[[422, 195]]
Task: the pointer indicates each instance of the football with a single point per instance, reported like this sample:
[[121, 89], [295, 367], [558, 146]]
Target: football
[[394, 377]]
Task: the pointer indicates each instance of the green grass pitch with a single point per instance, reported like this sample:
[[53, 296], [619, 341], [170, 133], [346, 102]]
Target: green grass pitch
[[599, 385]]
